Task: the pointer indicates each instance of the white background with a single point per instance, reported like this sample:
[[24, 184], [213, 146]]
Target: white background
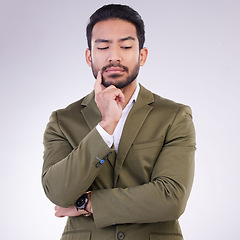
[[194, 58]]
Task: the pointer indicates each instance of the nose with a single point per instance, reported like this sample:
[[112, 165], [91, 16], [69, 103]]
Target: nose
[[115, 54]]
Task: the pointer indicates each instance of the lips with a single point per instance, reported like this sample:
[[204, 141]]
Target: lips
[[114, 70]]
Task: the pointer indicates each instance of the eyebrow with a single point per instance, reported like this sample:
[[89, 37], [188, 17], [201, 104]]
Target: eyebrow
[[100, 40], [127, 38]]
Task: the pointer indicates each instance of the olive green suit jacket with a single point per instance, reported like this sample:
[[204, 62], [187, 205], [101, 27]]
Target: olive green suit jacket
[[138, 193]]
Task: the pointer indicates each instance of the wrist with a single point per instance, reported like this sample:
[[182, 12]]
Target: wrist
[[108, 126], [84, 204]]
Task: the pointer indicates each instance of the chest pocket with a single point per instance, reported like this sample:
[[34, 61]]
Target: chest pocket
[[142, 158], [147, 145]]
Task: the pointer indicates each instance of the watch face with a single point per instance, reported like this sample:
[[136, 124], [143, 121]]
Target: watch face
[[82, 202]]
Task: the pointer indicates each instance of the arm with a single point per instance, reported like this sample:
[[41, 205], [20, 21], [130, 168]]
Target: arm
[[162, 199], [67, 172]]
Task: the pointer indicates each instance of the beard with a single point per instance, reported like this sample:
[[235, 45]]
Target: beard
[[115, 79]]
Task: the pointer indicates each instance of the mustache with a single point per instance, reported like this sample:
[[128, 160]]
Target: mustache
[[115, 65]]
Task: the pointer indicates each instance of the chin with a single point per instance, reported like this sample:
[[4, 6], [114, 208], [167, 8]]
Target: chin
[[117, 84], [118, 80], [112, 80]]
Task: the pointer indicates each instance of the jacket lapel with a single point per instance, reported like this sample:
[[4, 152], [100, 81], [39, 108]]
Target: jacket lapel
[[91, 112], [134, 122]]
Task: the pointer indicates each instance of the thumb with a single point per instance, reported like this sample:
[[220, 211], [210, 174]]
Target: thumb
[[98, 83]]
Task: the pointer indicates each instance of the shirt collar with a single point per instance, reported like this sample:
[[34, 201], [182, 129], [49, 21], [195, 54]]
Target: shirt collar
[[133, 99], [135, 94]]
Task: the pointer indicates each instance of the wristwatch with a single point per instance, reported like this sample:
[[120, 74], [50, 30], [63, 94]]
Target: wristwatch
[[82, 202]]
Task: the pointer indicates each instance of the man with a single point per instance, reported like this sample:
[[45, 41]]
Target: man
[[120, 161]]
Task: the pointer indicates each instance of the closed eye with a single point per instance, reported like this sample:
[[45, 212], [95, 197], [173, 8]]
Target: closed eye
[[127, 47], [103, 48]]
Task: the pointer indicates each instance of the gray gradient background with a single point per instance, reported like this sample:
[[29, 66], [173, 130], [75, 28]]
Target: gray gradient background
[[194, 58]]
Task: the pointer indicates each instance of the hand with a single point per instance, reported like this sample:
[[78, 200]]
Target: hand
[[109, 102], [72, 211], [68, 212]]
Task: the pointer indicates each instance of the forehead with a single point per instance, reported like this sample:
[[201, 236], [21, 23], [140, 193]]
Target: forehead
[[113, 29]]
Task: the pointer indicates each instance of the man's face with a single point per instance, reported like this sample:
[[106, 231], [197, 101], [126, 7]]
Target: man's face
[[115, 51]]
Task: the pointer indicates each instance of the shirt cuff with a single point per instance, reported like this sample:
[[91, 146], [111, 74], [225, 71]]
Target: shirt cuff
[[108, 139]]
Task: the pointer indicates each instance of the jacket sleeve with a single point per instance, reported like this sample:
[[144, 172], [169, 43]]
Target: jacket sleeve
[[162, 199], [68, 173]]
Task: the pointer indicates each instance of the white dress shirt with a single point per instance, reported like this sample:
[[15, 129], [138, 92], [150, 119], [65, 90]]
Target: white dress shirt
[[116, 136]]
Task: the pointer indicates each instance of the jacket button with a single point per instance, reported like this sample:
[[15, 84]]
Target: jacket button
[[120, 236]]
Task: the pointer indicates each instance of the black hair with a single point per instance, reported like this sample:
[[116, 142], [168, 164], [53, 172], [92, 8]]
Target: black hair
[[117, 11]]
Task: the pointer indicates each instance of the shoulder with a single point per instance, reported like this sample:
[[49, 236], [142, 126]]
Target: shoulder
[[163, 105], [170, 105], [74, 111], [76, 106]]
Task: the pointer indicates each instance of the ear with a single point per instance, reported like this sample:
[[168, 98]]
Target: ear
[[143, 56], [88, 57]]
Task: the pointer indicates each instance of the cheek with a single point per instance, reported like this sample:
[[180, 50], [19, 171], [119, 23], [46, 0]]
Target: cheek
[[134, 60], [135, 56], [97, 60]]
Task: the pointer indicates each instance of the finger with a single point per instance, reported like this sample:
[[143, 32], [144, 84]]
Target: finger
[[59, 216], [116, 93], [86, 215], [98, 83], [119, 96], [58, 212]]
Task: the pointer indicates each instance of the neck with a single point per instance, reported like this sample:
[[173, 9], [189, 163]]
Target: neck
[[128, 92]]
